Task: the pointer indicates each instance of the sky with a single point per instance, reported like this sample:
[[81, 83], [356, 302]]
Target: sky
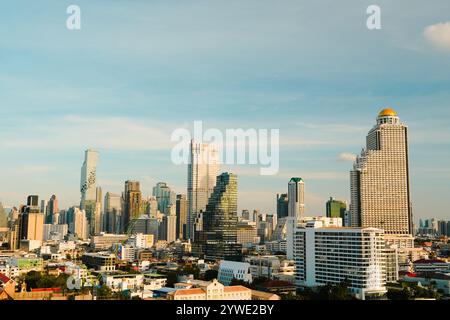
[[138, 70]]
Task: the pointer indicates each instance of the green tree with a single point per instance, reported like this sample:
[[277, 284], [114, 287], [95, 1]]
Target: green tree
[[211, 274], [104, 292]]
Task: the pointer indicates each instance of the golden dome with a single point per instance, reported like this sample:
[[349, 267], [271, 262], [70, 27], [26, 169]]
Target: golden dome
[[388, 112]]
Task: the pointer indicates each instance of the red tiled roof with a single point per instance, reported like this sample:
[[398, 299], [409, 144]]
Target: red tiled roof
[[45, 289], [184, 292], [4, 278], [235, 288]]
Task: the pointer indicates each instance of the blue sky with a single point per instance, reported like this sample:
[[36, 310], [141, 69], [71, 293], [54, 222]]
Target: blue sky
[[137, 70]]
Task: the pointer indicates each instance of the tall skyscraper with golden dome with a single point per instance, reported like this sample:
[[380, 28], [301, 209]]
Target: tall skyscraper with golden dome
[[380, 188]]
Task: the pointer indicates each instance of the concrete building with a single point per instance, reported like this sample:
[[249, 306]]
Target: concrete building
[[247, 234], [229, 270], [101, 261], [182, 216], [112, 213], [431, 265], [55, 231], [104, 241], [31, 226], [380, 188], [118, 282], [132, 204], [336, 208], [296, 210], [78, 224], [213, 291], [325, 254]]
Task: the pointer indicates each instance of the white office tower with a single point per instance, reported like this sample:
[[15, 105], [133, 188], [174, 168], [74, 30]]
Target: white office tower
[[380, 190], [296, 196], [79, 226], [203, 169], [89, 177], [296, 210], [325, 254]]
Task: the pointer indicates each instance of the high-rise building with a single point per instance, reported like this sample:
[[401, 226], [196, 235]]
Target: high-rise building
[[296, 211], [282, 205], [218, 239], [164, 196], [132, 199], [442, 228], [203, 169], [380, 190], [52, 213], [31, 226], [79, 226], [327, 254], [31, 220], [112, 213], [44, 207], [152, 207], [336, 208], [98, 217], [89, 177], [296, 196], [181, 212], [33, 203], [247, 233], [171, 224]]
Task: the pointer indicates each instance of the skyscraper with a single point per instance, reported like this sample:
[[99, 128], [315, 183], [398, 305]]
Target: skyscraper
[[203, 169], [171, 224], [79, 224], [282, 205], [296, 196], [380, 191], [89, 177], [112, 213], [218, 239], [132, 198], [181, 212], [296, 211], [336, 208], [164, 196], [31, 221], [52, 214]]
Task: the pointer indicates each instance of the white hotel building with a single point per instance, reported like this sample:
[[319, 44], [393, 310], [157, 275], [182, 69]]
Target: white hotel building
[[328, 254]]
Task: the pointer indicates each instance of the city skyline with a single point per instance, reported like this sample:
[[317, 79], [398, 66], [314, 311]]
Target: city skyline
[[321, 81]]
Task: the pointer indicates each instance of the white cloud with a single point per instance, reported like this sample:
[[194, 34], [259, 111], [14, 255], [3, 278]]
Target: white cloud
[[438, 35], [346, 156]]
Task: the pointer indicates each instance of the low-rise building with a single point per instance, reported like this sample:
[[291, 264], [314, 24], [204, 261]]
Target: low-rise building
[[439, 281], [101, 261], [431, 265], [213, 291], [104, 241], [229, 270], [123, 281], [26, 264]]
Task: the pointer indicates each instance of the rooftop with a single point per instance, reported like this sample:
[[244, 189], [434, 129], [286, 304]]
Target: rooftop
[[388, 112]]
